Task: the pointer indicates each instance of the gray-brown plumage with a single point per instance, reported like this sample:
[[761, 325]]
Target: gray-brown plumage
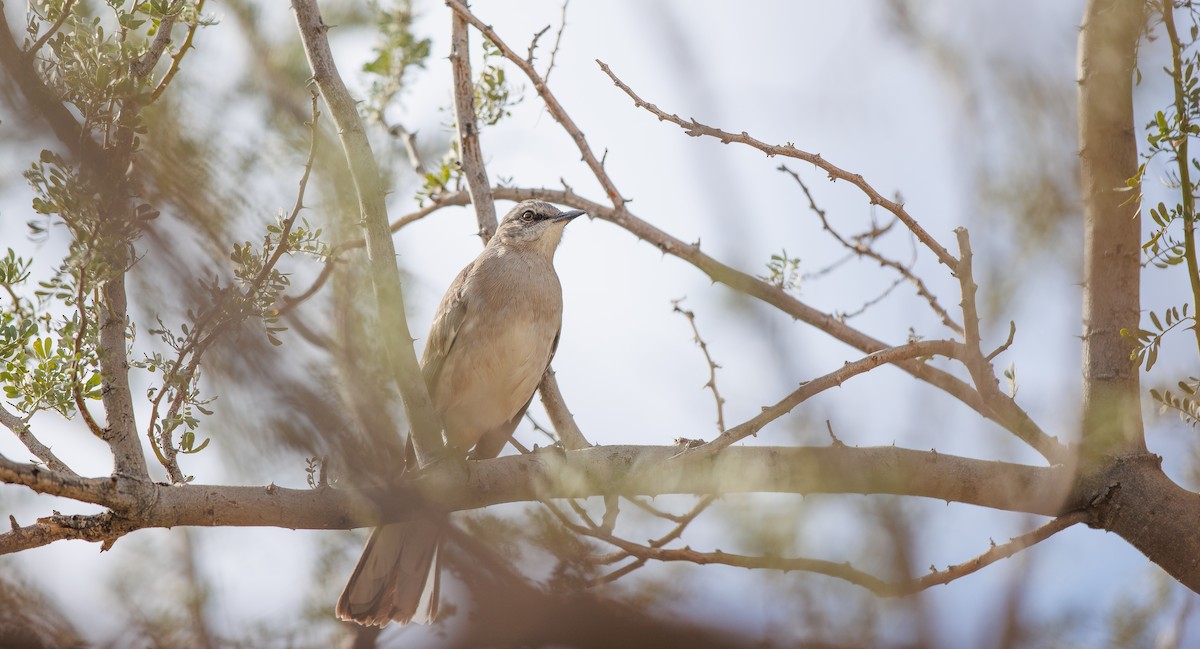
[[492, 339]]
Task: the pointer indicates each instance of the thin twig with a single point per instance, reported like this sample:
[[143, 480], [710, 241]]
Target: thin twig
[[1182, 160], [914, 350], [557, 42], [712, 365], [661, 541], [58, 23], [862, 250], [76, 390], [983, 374], [20, 428], [534, 42], [696, 129], [552, 105], [210, 325], [843, 571]]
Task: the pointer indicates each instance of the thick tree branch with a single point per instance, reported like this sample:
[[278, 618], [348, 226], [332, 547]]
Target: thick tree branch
[[595, 471], [381, 252], [469, 150], [121, 430], [560, 417], [1108, 158]]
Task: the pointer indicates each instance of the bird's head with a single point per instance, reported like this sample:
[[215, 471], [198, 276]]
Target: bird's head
[[534, 224]]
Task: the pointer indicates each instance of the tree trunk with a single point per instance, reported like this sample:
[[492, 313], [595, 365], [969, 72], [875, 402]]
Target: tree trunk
[[1120, 481]]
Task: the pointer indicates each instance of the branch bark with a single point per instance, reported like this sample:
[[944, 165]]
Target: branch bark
[[595, 471], [381, 252], [121, 431], [470, 153], [1108, 40]]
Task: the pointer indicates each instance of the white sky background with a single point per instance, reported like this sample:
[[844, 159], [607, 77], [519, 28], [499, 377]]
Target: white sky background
[[830, 78]]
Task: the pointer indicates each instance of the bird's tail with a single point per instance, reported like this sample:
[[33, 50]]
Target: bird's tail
[[396, 578]]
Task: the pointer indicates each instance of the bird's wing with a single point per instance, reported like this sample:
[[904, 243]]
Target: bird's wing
[[446, 324]]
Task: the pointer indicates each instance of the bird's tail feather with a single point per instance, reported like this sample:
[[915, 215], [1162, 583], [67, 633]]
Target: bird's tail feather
[[396, 578]]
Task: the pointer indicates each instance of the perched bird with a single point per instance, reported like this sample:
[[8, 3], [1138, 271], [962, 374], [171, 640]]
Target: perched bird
[[492, 339]]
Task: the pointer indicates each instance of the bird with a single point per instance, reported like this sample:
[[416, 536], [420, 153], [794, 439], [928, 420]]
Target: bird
[[492, 338]]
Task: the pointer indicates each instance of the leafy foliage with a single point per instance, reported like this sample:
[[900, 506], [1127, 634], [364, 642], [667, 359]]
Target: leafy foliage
[[398, 51], [1148, 343], [43, 359], [783, 271], [1186, 404], [494, 96]]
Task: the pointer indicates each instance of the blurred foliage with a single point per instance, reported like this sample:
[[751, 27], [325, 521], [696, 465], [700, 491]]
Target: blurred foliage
[[1171, 244]]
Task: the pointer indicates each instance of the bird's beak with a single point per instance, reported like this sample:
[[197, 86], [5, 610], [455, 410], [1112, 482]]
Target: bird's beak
[[567, 216]]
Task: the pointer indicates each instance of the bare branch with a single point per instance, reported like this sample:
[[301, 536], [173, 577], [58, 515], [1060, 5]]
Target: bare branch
[[104, 528], [121, 431], [862, 250], [681, 524], [1006, 410], [20, 428], [843, 571], [109, 492], [562, 25], [994, 554], [712, 366], [468, 129], [595, 471], [552, 105], [696, 129], [947, 348], [381, 252]]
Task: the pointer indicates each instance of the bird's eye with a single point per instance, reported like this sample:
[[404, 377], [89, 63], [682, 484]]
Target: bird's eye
[[527, 216]]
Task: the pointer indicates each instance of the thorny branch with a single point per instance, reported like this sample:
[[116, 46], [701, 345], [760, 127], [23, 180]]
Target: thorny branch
[[681, 523], [696, 129], [843, 571], [552, 105], [1004, 408], [862, 250], [914, 350], [20, 428], [712, 365], [471, 154]]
